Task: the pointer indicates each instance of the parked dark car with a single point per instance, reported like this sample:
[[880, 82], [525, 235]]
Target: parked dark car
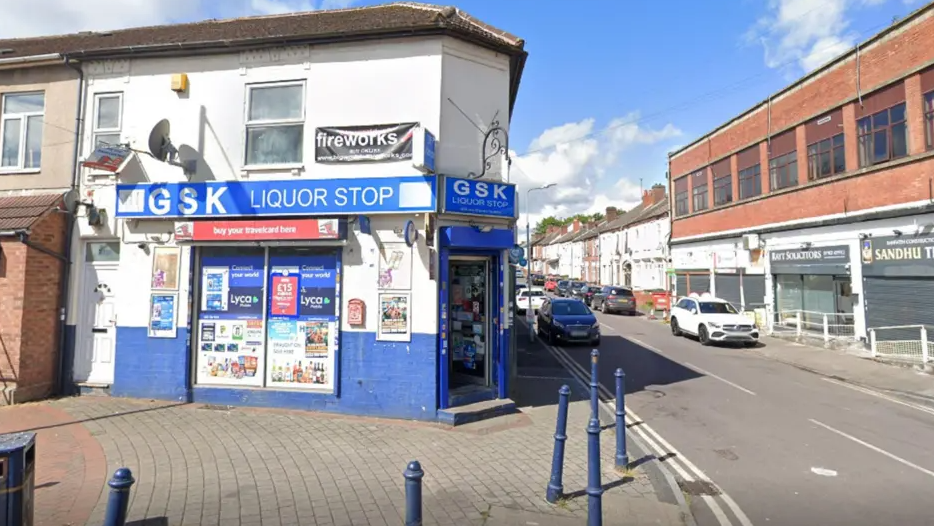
[[611, 299], [567, 320], [538, 280], [574, 287], [561, 289], [586, 293]]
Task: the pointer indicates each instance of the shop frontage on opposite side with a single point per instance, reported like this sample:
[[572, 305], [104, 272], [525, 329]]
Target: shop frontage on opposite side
[[282, 293], [898, 286], [475, 236], [811, 283]]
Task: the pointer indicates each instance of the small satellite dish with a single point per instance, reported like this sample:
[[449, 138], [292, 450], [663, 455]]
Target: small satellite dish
[[160, 145]]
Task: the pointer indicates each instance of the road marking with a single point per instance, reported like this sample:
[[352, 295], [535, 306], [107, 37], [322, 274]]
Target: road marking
[[663, 450], [724, 380], [824, 472], [874, 448], [877, 394]]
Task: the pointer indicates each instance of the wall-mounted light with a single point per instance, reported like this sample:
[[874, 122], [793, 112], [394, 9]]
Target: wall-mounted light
[[897, 232]]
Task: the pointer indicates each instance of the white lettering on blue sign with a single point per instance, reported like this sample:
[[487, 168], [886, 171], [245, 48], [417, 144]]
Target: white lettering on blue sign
[[287, 197], [467, 196]]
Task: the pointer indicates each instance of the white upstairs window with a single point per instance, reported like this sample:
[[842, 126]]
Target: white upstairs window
[[108, 118], [275, 123], [21, 120]]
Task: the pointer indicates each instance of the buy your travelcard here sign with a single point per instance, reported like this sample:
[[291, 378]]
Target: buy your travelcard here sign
[[479, 197], [309, 197]]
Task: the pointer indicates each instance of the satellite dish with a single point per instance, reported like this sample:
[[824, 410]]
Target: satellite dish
[[160, 146]]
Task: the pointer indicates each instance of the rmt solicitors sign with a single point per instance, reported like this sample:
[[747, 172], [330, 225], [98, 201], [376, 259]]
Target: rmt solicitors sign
[[361, 144]]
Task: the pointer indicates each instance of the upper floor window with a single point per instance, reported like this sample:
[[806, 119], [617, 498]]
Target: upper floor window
[[21, 131], [883, 136], [275, 123], [108, 118], [750, 182], [783, 170], [681, 197], [929, 120], [826, 158], [699, 192], [723, 190]]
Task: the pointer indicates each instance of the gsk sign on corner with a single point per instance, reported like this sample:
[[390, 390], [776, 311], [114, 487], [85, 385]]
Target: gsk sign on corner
[[478, 197]]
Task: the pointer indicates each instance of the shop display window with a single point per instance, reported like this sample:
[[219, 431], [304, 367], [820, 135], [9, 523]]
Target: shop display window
[[268, 317], [469, 322]]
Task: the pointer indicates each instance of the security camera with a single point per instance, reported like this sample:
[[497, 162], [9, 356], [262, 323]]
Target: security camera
[[141, 246]]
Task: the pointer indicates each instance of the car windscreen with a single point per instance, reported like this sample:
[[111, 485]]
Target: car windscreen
[[537, 293], [577, 284], [716, 307], [562, 283], [621, 292], [569, 308]]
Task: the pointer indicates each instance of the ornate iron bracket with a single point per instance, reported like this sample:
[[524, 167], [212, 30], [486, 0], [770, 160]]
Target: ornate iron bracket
[[493, 144]]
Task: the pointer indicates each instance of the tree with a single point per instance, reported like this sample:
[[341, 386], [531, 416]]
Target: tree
[[542, 226]]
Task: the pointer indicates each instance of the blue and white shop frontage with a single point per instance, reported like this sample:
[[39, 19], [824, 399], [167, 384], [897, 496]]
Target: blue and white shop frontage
[[381, 296]]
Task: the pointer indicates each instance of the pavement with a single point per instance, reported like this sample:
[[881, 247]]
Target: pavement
[[209, 465], [782, 434]]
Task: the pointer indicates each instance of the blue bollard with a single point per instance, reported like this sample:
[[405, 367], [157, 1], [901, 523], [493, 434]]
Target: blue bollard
[[594, 487], [594, 384], [622, 458], [556, 485], [119, 499], [413, 493]]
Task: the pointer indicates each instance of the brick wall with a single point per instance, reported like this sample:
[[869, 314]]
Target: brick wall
[[893, 58], [29, 307]]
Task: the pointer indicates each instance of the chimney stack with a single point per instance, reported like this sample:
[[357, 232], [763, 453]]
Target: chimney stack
[[653, 196], [577, 225], [611, 213]]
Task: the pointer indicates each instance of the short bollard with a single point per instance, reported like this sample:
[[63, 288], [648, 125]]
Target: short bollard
[[594, 384], [556, 485], [119, 499], [622, 458], [594, 486], [413, 493]]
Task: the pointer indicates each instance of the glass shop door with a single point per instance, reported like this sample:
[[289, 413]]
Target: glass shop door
[[469, 308]]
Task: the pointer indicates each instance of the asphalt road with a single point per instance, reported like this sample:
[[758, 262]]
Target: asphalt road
[[786, 447]]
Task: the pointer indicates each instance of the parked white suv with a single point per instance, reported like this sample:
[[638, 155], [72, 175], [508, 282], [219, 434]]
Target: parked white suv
[[530, 299], [712, 320]]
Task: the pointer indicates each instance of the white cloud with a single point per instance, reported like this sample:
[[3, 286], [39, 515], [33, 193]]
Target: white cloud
[[66, 16], [805, 33], [574, 156]]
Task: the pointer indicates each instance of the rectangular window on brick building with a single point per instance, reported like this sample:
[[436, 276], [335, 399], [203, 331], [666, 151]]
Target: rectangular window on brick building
[[826, 147], [881, 127], [700, 191], [783, 161], [681, 197], [929, 119], [722, 183], [749, 174]]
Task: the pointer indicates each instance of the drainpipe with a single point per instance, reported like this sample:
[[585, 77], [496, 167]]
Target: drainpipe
[[70, 226]]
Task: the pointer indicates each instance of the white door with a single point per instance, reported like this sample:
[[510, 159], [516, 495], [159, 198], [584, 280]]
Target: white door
[[96, 333]]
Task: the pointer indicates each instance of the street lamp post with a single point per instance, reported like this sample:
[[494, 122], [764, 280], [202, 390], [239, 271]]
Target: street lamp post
[[529, 315]]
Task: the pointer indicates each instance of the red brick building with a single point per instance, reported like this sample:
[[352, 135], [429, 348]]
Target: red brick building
[[819, 201]]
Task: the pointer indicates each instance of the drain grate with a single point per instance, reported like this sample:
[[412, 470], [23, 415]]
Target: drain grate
[[215, 407], [698, 488]]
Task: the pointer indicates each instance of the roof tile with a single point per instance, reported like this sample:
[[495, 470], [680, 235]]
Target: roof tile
[[21, 212]]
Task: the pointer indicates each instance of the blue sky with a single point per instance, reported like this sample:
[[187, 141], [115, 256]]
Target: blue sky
[[658, 74]]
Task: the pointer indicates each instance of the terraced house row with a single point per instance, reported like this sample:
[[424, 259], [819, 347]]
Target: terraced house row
[[627, 248], [815, 208]]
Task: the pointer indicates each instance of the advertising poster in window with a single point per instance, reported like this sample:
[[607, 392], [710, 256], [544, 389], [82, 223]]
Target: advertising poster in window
[[162, 316], [394, 318], [230, 338], [303, 321], [165, 264], [395, 267]]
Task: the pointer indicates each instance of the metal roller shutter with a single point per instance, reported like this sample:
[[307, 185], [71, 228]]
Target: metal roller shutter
[[681, 284], [699, 283], [754, 290], [892, 302], [727, 286]]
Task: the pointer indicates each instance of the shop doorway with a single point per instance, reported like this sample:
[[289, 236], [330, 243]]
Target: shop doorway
[[97, 314], [472, 336]]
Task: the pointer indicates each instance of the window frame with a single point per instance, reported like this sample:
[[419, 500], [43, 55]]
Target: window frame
[[269, 123], [869, 136], [751, 174], [927, 108], [96, 129], [718, 186], [682, 203], [817, 149], [700, 191], [785, 160], [23, 117]]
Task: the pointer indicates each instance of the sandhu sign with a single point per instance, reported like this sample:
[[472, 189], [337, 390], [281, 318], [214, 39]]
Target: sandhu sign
[[898, 255], [356, 144]]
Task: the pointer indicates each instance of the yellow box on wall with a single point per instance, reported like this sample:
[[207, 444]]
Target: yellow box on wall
[[180, 82]]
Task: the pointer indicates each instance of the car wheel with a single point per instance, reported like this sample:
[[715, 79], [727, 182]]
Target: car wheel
[[675, 328], [551, 336], [702, 336], [750, 345], [603, 307]]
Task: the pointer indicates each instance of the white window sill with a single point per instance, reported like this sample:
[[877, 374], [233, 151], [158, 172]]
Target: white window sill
[[19, 171], [295, 169]]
